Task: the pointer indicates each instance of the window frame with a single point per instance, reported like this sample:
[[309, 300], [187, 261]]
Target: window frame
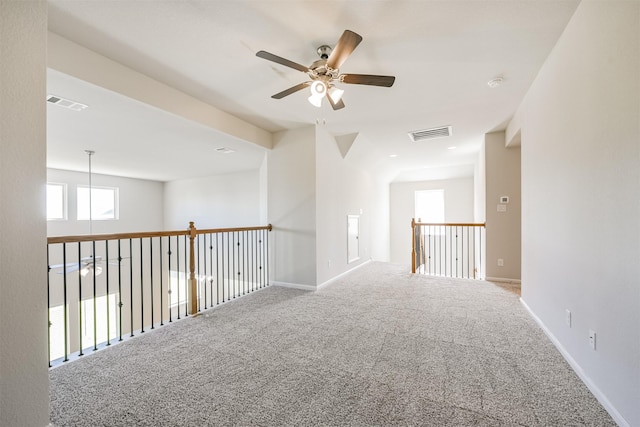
[[415, 206], [93, 188], [64, 202]]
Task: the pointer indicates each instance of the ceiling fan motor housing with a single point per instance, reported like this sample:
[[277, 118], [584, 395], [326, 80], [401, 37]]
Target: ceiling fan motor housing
[[324, 51]]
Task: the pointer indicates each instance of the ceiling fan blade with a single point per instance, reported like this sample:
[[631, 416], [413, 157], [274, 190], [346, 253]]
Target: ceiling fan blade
[[291, 90], [69, 268], [335, 105], [347, 43], [275, 58], [117, 261], [53, 267], [368, 79]]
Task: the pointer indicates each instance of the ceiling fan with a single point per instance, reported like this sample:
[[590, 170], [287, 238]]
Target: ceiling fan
[[325, 72], [85, 265]]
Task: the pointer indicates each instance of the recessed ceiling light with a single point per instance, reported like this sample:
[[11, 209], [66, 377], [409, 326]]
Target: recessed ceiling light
[[393, 155], [451, 148]]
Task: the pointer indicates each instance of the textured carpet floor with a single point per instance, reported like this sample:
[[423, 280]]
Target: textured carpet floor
[[377, 348]]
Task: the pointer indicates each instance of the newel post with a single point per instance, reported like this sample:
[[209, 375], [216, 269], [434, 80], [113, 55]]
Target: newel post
[[193, 287], [413, 245]]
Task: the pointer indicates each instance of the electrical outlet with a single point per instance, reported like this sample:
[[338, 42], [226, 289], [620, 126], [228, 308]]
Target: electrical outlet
[[567, 317], [592, 339], [329, 264], [500, 262]]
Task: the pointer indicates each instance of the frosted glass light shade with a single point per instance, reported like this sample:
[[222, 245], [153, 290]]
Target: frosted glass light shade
[[335, 94], [316, 101]]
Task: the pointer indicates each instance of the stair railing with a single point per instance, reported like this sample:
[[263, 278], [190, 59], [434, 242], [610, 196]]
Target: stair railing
[[447, 249], [109, 287]]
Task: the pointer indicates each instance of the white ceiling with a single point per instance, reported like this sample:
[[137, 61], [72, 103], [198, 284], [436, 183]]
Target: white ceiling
[[442, 53]]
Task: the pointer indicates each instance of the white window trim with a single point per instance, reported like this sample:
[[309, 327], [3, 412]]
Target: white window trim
[[64, 202], [116, 203]]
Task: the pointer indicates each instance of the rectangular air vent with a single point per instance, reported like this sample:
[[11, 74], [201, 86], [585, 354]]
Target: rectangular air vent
[[72, 105], [439, 132]]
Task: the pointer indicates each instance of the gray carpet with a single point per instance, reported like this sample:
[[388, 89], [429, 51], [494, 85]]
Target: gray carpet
[[377, 348]]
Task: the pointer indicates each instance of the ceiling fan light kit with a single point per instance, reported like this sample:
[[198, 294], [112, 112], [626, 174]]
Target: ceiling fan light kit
[[335, 93], [318, 88], [326, 71], [315, 101], [88, 268]]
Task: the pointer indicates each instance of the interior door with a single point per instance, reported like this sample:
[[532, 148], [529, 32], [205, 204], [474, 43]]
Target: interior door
[[353, 236]]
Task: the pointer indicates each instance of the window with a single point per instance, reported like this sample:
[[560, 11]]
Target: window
[[56, 201], [429, 206], [104, 203]]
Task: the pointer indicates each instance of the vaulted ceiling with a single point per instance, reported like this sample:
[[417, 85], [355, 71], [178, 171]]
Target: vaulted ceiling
[[442, 53]]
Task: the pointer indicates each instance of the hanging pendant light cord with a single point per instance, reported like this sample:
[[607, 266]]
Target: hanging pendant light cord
[[90, 153]]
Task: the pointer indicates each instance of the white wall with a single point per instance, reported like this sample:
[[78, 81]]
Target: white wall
[[140, 204], [581, 199], [479, 187], [220, 201], [341, 189], [24, 383], [502, 178], [458, 207], [292, 206], [380, 221]]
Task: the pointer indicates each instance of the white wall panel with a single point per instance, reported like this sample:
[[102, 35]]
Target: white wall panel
[[581, 199]]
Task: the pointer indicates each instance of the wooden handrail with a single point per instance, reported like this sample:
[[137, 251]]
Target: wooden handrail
[[226, 230], [145, 234], [114, 236], [447, 224]]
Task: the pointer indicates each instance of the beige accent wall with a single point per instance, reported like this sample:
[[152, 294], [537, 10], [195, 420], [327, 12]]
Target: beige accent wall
[[502, 178], [24, 380]]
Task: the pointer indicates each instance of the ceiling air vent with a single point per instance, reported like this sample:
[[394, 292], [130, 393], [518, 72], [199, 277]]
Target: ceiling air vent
[[439, 132], [72, 105]]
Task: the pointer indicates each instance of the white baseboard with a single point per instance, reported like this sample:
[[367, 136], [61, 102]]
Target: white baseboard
[[619, 419], [502, 280], [294, 285], [333, 279], [315, 288]]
